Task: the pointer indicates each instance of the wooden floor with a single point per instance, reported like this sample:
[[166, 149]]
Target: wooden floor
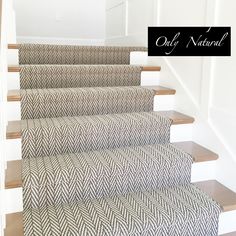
[[224, 196]]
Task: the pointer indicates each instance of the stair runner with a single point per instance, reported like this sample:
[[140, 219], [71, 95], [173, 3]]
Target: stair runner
[[98, 161]]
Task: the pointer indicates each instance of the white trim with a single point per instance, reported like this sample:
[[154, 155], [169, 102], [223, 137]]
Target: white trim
[[67, 41]]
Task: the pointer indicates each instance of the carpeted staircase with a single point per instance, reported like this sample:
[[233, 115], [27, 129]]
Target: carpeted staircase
[[97, 161]]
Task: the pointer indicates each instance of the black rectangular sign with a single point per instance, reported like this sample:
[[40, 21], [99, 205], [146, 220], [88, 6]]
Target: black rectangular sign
[[189, 41]]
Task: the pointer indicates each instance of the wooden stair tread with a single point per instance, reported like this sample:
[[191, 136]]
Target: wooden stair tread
[[13, 46], [13, 130], [14, 224], [13, 172], [229, 234], [16, 68], [198, 152], [221, 194], [224, 196], [177, 117], [14, 127], [13, 177], [15, 96], [151, 68]]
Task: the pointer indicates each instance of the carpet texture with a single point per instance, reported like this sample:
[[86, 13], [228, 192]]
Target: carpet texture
[[72, 55], [97, 161], [53, 136], [47, 103], [73, 76], [175, 211], [88, 175]]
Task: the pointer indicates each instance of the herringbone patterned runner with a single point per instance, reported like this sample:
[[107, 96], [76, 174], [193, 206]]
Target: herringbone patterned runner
[[47, 103], [177, 211], [68, 54], [97, 161], [52, 136], [73, 76], [48, 180]]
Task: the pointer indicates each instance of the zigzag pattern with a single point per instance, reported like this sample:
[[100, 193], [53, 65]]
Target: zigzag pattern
[[71, 55], [73, 76], [179, 210], [88, 175], [53, 136], [47, 103], [88, 171]]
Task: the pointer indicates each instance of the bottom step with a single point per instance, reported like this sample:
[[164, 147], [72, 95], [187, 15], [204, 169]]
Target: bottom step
[[224, 196]]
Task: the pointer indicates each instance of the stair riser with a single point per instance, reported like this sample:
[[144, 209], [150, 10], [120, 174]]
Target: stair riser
[[165, 102], [14, 196], [227, 222]]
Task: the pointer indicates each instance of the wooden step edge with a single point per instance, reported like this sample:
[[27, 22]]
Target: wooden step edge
[[143, 68], [14, 69], [14, 127], [177, 117], [15, 96], [198, 152], [151, 68], [221, 194], [160, 90], [224, 196], [13, 130], [13, 46], [13, 172], [14, 224], [229, 234]]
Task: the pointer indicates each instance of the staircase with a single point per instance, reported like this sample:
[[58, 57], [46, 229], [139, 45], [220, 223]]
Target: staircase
[[96, 158]]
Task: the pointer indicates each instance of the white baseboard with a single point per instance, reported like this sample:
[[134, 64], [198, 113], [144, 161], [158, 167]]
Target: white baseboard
[[60, 41]]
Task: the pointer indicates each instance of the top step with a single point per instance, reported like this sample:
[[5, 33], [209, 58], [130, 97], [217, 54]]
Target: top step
[[73, 55]]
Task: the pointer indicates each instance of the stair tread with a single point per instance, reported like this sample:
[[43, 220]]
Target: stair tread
[[15, 95], [13, 46], [13, 172], [221, 194], [14, 127], [225, 197], [14, 224], [198, 152], [13, 178], [177, 117], [229, 234], [17, 68]]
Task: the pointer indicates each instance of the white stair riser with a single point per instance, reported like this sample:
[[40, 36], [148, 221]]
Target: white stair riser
[[227, 222], [13, 80]]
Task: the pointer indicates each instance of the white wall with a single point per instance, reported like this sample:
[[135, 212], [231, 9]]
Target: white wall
[[127, 21], [62, 21], [205, 86], [7, 34]]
